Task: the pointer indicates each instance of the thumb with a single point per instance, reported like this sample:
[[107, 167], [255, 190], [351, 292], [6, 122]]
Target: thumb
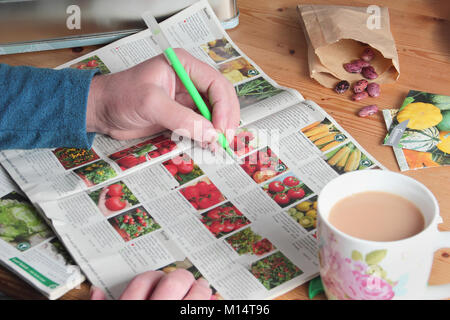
[[184, 121]]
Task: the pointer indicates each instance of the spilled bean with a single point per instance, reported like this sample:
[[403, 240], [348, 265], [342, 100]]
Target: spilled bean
[[342, 86], [367, 54], [360, 86], [360, 96], [368, 111], [369, 73], [373, 89]]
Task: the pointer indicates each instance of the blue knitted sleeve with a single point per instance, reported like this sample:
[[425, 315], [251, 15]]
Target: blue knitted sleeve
[[44, 108]]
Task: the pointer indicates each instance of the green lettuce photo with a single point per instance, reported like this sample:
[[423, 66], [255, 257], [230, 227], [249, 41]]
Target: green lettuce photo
[[20, 223]]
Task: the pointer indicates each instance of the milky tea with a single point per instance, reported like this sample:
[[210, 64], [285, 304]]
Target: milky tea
[[377, 216]]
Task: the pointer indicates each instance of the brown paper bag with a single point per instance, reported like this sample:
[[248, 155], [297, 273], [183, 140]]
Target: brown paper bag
[[338, 34]]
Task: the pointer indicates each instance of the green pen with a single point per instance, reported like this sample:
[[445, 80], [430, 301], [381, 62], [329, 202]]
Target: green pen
[[173, 60]]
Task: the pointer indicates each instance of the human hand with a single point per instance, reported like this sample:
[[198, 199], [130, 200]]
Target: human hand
[[156, 285], [149, 97]]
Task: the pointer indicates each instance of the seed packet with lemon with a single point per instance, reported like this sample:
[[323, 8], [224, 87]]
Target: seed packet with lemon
[[420, 130]]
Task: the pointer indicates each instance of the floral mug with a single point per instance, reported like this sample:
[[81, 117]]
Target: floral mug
[[353, 268]]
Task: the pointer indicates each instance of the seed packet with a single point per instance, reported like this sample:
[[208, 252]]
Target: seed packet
[[420, 130]]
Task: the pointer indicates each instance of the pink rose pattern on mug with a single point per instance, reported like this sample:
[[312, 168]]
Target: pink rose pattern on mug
[[357, 277]]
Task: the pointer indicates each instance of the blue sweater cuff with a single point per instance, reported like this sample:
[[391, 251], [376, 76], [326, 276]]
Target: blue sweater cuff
[[44, 108]]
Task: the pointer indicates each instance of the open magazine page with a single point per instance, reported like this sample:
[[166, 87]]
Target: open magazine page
[[29, 248], [234, 221], [247, 226], [48, 174]]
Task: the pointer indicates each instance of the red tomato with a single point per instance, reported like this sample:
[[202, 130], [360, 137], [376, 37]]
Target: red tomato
[[172, 169], [115, 190], [213, 214], [291, 181], [204, 203], [115, 203], [185, 167], [228, 226], [281, 199], [194, 204], [172, 146], [296, 193], [154, 154], [203, 188], [276, 186], [119, 154], [216, 227], [163, 150], [128, 161], [212, 187], [191, 193]]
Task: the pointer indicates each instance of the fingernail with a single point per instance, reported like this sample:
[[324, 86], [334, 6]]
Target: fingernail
[[202, 282]]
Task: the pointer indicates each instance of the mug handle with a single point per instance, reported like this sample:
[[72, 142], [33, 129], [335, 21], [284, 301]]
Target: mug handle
[[441, 291]]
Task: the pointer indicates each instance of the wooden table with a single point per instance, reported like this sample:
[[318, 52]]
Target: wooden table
[[270, 34]]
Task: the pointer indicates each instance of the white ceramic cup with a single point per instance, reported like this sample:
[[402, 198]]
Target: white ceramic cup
[[353, 268]]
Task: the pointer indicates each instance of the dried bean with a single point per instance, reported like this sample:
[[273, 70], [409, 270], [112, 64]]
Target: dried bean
[[360, 86], [361, 63], [352, 67], [373, 89], [368, 111], [342, 86], [360, 96], [368, 54], [369, 73]]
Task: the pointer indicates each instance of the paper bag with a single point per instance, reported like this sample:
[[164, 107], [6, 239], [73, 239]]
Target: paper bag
[[336, 35]]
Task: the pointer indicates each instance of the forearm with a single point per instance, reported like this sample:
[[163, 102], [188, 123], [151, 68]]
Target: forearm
[[44, 108]]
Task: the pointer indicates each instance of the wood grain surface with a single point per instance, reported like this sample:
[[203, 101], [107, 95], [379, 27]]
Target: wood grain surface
[[270, 34]]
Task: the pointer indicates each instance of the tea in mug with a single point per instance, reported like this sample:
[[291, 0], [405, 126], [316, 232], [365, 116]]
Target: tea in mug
[[377, 216]]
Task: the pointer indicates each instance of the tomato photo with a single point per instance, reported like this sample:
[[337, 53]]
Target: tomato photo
[[134, 223], [223, 219], [244, 141], [276, 186], [286, 189], [183, 168], [142, 152], [249, 242], [113, 198], [202, 194], [263, 165]]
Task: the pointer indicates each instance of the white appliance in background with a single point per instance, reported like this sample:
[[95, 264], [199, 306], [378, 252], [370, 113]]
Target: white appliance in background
[[35, 25]]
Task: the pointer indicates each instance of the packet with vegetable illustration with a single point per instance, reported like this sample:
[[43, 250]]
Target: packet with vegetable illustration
[[420, 130]]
